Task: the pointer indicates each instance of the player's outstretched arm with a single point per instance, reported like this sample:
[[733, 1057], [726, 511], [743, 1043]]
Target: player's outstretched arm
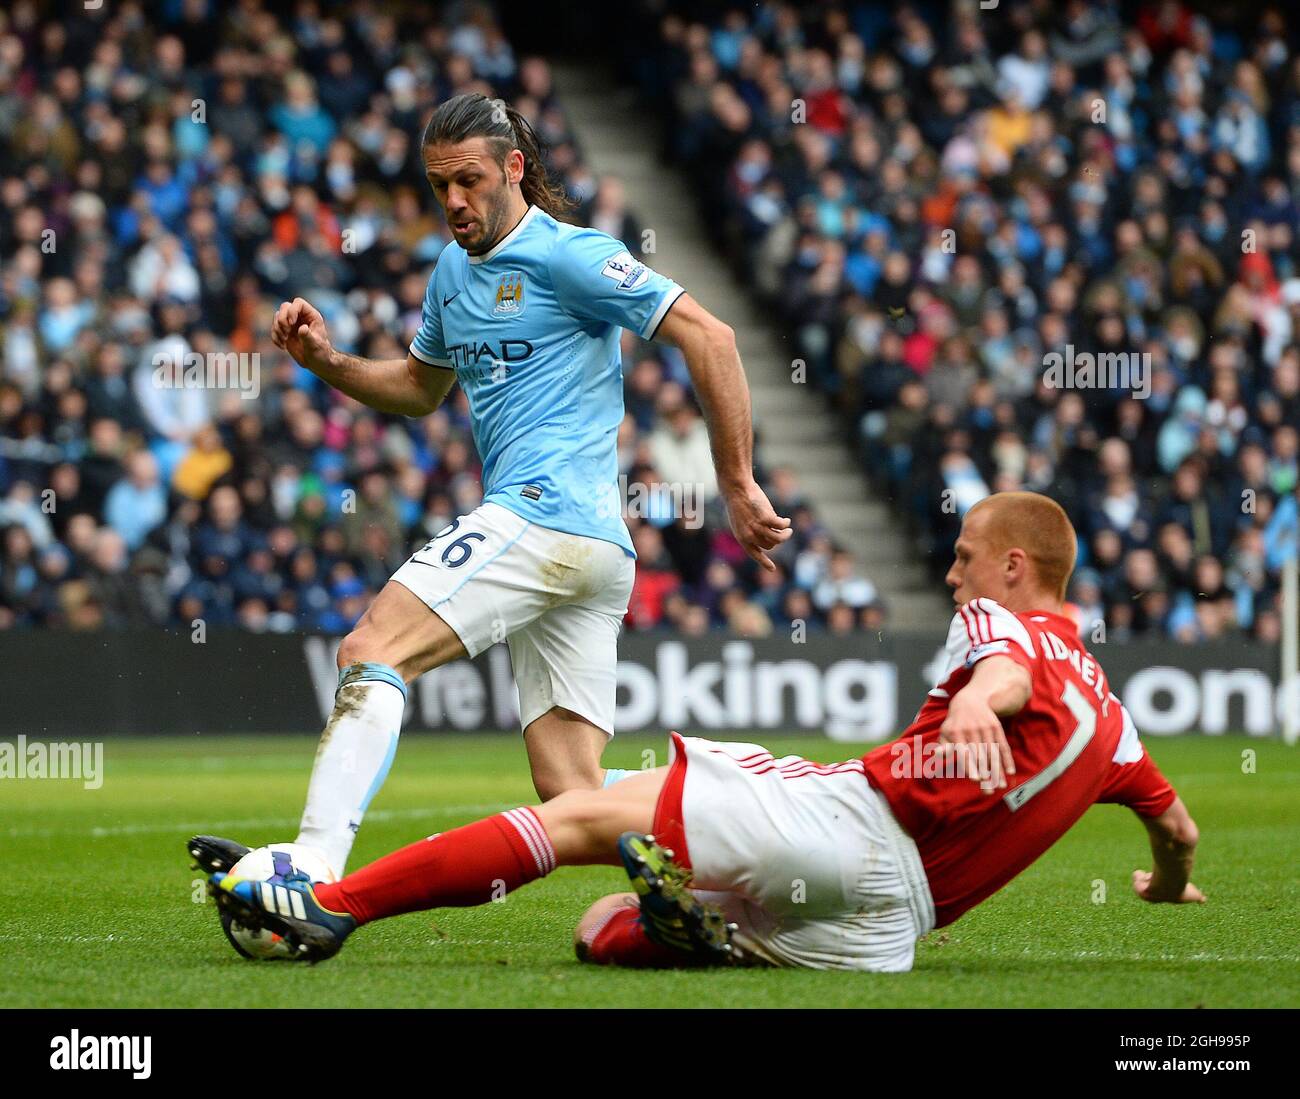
[[1173, 849], [709, 347], [406, 387]]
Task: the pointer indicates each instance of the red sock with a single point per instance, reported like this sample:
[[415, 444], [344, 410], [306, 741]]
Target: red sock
[[466, 866], [621, 940]]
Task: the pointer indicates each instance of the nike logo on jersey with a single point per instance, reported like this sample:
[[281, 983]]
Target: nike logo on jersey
[[447, 301]]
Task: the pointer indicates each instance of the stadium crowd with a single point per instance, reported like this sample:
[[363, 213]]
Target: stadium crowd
[[937, 198], [165, 181]]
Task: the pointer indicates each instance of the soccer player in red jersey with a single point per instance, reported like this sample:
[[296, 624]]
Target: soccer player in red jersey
[[826, 866]]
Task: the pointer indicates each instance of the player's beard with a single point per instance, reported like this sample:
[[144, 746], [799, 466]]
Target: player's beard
[[492, 227]]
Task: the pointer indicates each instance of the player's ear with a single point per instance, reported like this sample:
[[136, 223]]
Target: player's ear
[[514, 166]]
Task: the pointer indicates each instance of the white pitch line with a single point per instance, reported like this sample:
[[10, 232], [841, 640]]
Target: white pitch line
[[211, 826], [1099, 955], [38, 937]]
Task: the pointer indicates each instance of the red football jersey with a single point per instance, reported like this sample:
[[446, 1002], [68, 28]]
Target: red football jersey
[[1073, 742]]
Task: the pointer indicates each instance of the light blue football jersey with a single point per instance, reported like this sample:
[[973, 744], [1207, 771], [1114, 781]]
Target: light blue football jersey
[[532, 330]]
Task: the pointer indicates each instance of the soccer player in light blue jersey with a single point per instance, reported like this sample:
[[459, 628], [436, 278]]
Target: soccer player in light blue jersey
[[525, 312]]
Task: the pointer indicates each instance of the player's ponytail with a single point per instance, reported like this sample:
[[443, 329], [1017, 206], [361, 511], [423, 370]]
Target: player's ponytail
[[474, 115]]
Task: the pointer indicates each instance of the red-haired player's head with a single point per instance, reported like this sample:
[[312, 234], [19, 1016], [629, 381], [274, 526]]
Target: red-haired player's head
[[1017, 548]]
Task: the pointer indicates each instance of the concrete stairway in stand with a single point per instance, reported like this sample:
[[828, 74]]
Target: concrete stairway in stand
[[791, 420]]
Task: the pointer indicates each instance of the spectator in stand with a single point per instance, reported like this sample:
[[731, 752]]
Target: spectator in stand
[[137, 503], [654, 580], [841, 585], [679, 445], [952, 211], [177, 238]]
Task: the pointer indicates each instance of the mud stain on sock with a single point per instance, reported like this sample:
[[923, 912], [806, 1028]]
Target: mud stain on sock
[[348, 701]]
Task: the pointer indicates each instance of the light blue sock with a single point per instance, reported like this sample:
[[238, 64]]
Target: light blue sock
[[613, 774]]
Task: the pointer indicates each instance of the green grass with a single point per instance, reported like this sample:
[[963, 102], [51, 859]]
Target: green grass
[[98, 908]]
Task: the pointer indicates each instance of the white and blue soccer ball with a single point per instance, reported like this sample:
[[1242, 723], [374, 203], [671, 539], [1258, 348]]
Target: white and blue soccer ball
[[273, 863]]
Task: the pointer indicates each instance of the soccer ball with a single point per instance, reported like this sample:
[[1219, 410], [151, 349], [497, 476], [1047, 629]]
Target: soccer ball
[[273, 863]]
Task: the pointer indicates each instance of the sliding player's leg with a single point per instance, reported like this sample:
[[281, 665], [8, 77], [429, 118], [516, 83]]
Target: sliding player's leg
[[611, 933], [615, 930], [471, 865], [483, 861]]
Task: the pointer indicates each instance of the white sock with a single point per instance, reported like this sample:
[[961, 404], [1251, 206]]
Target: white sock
[[355, 753]]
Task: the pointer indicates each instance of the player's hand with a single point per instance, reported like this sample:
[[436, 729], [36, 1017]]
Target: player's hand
[[755, 522], [973, 733], [1146, 887], [299, 329]]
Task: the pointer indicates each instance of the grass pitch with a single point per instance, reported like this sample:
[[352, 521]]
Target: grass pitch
[[98, 907]]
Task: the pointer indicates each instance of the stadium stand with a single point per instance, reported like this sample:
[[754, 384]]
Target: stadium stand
[[161, 191], [935, 199]]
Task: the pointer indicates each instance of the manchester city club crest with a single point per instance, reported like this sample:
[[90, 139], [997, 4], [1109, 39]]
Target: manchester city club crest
[[510, 295]]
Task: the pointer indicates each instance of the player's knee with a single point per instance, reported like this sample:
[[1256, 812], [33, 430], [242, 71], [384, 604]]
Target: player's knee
[[578, 823], [586, 936], [351, 650], [579, 809], [364, 646]]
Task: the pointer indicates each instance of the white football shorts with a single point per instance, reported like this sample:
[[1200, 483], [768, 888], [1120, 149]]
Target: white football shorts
[[805, 858], [557, 599]]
